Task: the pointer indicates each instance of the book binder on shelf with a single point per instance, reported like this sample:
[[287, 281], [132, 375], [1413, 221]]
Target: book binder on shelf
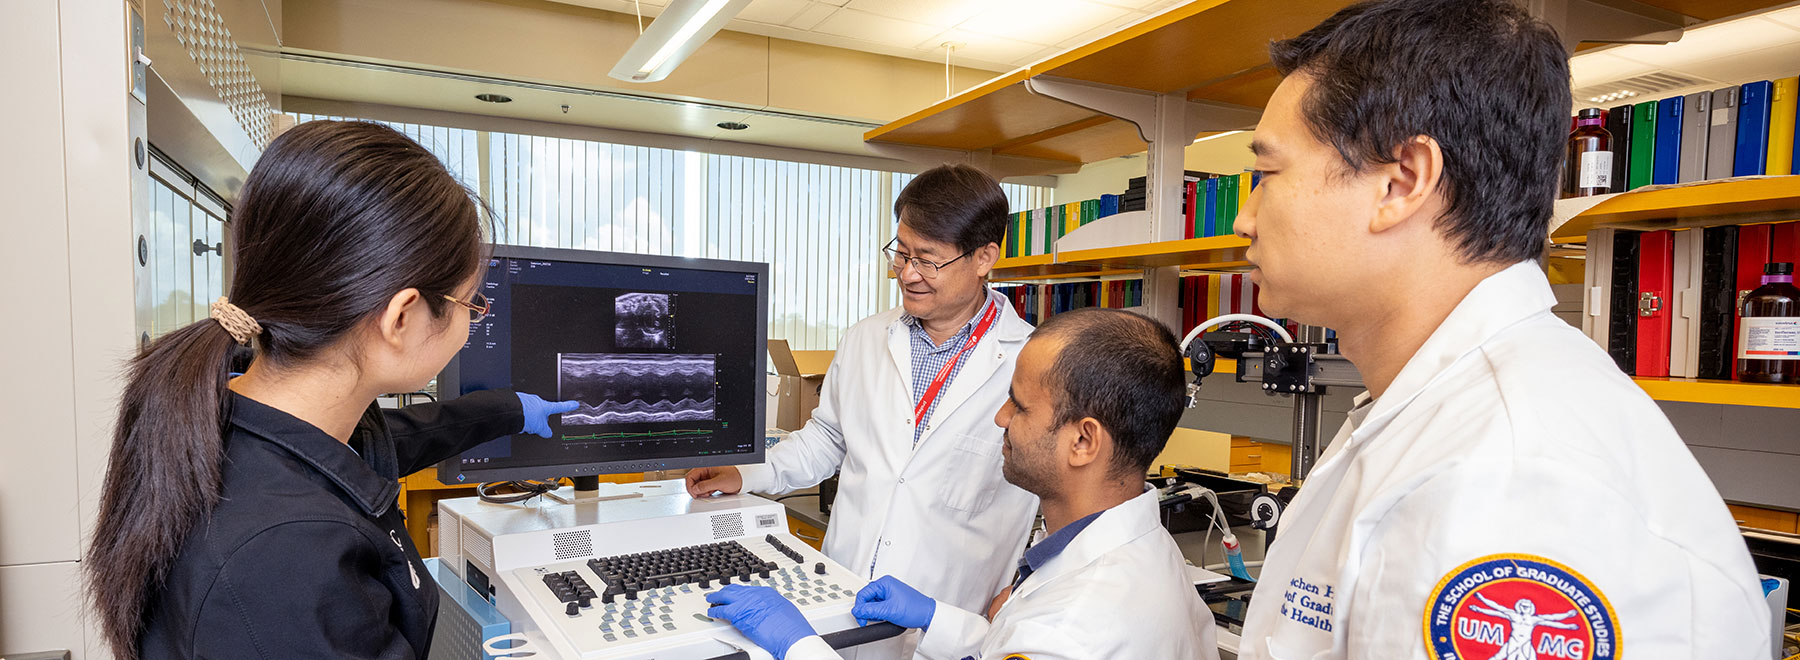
[[1721, 140], [1211, 206], [1781, 126], [1643, 145], [1784, 242], [1696, 128], [1752, 255], [1655, 289], [1667, 162], [1684, 307], [1718, 285], [1621, 341], [1753, 128], [1618, 123], [1596, 318]]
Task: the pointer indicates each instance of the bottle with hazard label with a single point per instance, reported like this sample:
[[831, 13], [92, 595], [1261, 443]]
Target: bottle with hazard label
[[1587, 168], [1769, 329]]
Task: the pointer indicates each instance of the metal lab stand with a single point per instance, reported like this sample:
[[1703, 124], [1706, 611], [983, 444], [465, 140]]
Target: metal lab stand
[[1300, 370]]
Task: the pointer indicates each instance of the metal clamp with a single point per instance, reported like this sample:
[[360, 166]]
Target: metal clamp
[[1649, 304]]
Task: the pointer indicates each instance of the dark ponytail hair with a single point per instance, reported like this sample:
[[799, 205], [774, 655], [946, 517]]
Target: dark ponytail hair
[[335, 219]]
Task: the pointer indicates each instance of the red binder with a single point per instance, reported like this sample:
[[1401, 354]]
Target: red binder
[[1189, 193], [1656, 291], [1784, 242], [1753, 254]]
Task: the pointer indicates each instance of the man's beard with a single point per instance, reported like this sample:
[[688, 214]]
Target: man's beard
[[1025, 473]]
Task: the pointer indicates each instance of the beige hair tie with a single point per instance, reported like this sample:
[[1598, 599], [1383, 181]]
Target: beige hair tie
[[235, 321]]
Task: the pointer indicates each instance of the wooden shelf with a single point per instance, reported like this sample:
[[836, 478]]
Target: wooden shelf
[[1198, 253], [1726, 392], [1211, 50], [1215, 253], [1725, 202]]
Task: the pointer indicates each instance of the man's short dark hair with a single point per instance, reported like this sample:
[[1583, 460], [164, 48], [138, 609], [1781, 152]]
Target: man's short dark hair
[[1484, 78], [954, 204], [1122, 369]]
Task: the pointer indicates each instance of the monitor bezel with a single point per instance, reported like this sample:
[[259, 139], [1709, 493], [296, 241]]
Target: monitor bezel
[[451, 471]]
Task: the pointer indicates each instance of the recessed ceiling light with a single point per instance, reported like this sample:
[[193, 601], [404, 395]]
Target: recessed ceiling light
[[733, 125], [493, 98]]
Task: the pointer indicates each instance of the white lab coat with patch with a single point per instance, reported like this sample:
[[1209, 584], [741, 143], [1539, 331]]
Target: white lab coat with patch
[[1507, 433], [940, 517], [1118, 591]]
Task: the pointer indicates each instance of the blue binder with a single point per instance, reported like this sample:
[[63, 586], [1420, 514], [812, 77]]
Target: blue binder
[[1753, 128], [1668, 141], [1212, 207]]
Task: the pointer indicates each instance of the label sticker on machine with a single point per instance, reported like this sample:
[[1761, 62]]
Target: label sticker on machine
[[1768, 338], [767, 520], [1519, 606]]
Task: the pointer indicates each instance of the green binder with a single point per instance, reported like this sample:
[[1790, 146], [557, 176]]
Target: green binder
[[1643, 145]]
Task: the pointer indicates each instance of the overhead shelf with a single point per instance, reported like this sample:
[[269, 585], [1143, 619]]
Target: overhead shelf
[[1212, 50], [1724, 202], [1214, 253], [1725, 392]]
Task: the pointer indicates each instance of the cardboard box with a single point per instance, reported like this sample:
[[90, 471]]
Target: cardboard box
[[801, 373]]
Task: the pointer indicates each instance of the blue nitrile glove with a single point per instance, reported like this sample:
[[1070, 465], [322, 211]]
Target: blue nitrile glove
[[888, 599], [762, 615], [538, 412]]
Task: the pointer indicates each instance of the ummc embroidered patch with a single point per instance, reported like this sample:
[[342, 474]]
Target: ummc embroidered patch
[[1519, 607]]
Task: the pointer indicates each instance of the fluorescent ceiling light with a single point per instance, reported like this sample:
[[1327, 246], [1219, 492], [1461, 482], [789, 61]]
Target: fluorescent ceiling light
[[674, 35]]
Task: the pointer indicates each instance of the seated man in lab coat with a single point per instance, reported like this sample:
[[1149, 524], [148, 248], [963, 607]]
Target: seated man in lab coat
[[1093, 400], [1501, 490]]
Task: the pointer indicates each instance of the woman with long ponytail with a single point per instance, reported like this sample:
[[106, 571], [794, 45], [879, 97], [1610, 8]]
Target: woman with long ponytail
[[254, 516]]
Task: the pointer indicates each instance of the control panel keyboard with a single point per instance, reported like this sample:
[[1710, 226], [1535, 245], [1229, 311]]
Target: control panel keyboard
[[653, 604]]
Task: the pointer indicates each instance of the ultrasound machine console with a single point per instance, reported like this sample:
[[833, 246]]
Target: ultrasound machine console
[[666, 357]]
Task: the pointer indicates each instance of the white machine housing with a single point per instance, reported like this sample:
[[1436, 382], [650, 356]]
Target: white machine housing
[[505, 550]]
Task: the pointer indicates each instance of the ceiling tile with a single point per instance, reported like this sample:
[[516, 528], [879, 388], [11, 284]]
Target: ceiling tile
[[982, 47], [864, 26], [1602, 67], [940, 13], [1761, 64], [1102, 30], [1041, 21], [810, 17], [773, 12]]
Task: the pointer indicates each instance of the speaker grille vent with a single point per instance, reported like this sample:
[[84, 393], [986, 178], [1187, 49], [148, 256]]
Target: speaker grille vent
[[478, 549], [728, 525], [571, 545]]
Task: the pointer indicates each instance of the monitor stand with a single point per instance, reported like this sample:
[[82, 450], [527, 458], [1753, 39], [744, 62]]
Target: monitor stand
[[587, 489]]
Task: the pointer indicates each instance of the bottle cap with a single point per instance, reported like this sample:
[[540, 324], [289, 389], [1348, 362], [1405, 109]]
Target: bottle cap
[[1589, 113], [1779, 268]]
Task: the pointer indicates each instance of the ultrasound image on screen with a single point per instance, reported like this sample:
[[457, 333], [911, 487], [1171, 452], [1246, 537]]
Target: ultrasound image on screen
[[628, 388], [643, 320]]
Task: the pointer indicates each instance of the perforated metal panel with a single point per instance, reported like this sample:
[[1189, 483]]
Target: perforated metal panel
[[478, 549], [728, 525], [449, 544], [199, 29], [574, 545]]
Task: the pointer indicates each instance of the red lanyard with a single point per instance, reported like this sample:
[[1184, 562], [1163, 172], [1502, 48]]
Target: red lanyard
[[943, 374]]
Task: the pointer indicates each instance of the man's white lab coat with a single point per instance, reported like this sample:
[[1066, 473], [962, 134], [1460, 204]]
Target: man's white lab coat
[[1509, 461]]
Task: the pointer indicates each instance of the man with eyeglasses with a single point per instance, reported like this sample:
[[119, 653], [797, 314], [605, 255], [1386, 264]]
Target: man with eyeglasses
[[906, 413]]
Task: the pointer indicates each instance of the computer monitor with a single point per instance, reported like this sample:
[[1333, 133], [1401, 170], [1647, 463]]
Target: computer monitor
[[666, 355]]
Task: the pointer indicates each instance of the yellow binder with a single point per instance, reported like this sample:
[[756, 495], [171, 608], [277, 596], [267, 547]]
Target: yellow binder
[[1781, 126]]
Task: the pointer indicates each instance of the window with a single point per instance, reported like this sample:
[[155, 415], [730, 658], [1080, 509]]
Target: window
[[183, 269], [819, 227]]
